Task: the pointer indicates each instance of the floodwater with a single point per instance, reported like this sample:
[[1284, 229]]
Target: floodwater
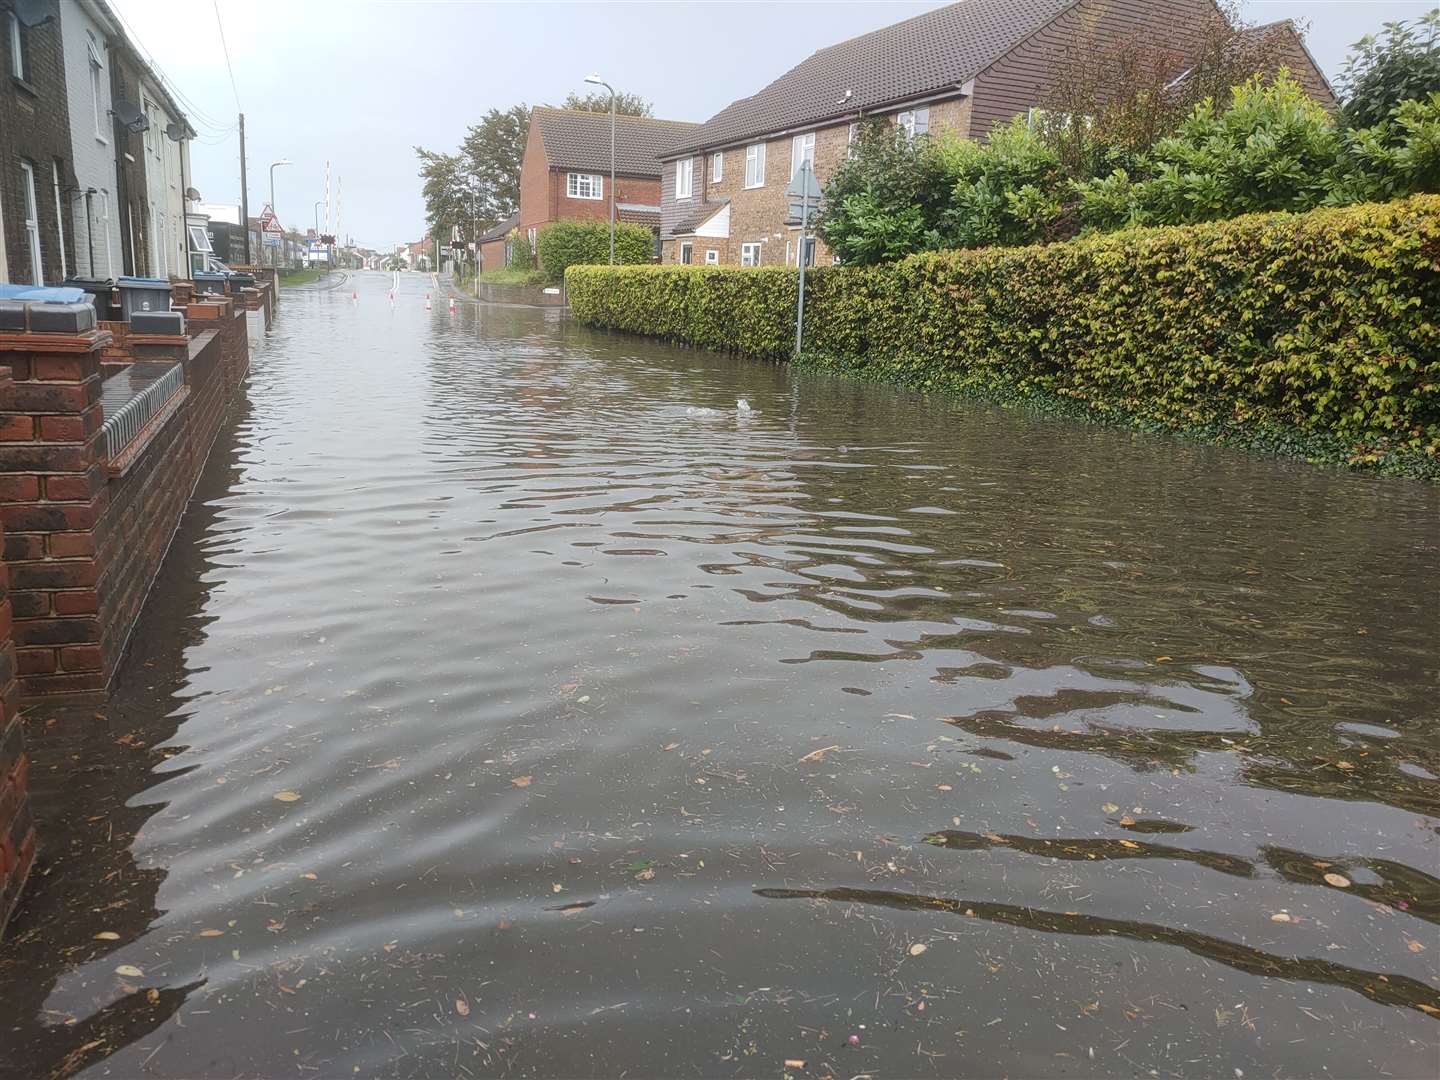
[[499, 713]]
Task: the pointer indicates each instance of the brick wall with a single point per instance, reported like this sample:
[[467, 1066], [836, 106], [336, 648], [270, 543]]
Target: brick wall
[[535, 188], [630, 189], [17, 829], [35, 122], [492, 255], [757, 215]]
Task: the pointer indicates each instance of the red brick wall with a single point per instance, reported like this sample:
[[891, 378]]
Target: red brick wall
[[492, 255], [17, 829], [535, 188], [631, 189]]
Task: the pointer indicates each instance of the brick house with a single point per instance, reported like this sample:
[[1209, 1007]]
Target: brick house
[[493, 244], [89, 33], [565, 173], [964, 68], [35, 168]]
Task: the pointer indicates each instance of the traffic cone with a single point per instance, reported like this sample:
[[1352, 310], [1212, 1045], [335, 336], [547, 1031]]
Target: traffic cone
[[452, 305], [427, 301], [354, 295]]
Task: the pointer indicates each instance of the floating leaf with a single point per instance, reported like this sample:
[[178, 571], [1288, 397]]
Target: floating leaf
[[211, 933], [108, 935], [309, 877], [287, 796], [1340, 881], [918, 948], [1109, 808], [1281, 916], [1127, 821], [794, 1063], [648, 874], [130, 971], [462, 1006], [1131, 844], [670, 747], [819, 755], [521, 781]]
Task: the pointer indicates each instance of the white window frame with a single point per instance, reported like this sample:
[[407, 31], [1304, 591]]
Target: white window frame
[[685, 178], [717, 166], [96, 65], [593, 186], [914, 121], [852, 136], [32, 222], [750, 254], [200, 240], [18, 67], [105, 222], [59, 219], [802, 148], [755, 165], [712, 257], [687, 247]]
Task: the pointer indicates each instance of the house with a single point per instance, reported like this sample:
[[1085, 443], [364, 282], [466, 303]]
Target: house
[[494, 244], [964, 68], [565, 173], [36, 243], [88, 34]]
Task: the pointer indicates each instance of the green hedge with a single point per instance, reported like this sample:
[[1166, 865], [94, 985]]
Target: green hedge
[[569, 243], [1317, 333]]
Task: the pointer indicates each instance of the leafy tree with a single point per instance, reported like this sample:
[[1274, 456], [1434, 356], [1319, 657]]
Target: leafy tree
[[519, 255], [447, 189], [494, 150], [1009, 191], [1381, 73], [599, 101]]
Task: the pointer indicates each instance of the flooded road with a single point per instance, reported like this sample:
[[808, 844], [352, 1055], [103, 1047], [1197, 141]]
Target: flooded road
[[511, 704]]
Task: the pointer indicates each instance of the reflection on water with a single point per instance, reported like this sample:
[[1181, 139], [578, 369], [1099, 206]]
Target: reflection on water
[[493, 694]]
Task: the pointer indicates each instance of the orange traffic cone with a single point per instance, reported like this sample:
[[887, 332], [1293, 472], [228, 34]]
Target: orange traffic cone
[[427, 301], [354, 295], [452, 305]]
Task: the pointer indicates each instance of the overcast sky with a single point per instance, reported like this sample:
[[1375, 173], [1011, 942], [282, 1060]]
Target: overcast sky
[[361, 82]]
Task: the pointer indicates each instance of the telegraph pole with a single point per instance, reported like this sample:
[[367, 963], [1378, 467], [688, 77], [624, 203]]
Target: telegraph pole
[[244, 194]]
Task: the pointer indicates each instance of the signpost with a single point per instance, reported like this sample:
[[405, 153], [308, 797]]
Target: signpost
[[804, 196], [271, 233]]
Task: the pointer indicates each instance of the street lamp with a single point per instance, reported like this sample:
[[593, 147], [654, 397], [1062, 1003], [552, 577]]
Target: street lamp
[[597, 81], [273, 165]]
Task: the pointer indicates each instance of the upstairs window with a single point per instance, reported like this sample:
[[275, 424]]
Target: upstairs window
[[584, 185], [717, 167], [684, 178], [913, 122], [97, 97], [802, 149], [19, 48], [852, 137], [32, 222], [755, 165]]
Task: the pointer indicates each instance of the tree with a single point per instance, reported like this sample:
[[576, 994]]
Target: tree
[[447, 190], [494, 150], [599, 101], [1380, 74], [1106, 104]]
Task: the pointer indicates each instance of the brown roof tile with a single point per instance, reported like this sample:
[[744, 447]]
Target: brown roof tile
[[575, 139], [928, 54]]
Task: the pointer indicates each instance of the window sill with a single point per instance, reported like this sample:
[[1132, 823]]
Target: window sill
[[25, 85], [102, 140], [753, 187]]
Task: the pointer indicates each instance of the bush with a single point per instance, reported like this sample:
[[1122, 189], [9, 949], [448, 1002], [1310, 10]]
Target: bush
[[1314, 332], [1379, 75], [572, 243], [518, 253]]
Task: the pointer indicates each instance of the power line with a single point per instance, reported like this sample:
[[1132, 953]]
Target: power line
[[195, 112], [226, 48]]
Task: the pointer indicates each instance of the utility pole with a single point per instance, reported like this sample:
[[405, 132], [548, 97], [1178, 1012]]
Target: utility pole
[[244, 194]]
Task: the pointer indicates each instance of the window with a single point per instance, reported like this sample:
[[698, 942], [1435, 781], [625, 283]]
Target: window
[[579, 185], [105, 224], [149, 111], [712, 257], [749, 254], [59, 218], [851, 138], [200, 240], [717, 167], [684, 178], [802, 149], [19, 49], [96, 97], [807, 248], [913, 122], [755, 165], [687, 253], [32, 222]]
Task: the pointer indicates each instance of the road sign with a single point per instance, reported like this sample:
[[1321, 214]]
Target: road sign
[[804, 185], [272, 240], [269, 223]]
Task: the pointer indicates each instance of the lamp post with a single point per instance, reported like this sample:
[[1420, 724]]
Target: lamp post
[[273, 165], [597, 81]]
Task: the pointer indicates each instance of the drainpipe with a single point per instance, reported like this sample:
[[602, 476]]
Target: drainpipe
[[90, 229]]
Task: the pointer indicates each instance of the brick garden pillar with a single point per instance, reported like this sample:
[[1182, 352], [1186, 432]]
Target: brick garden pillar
[[53, 492]]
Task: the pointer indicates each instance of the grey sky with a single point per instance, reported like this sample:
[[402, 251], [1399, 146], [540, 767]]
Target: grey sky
[[361, 82]]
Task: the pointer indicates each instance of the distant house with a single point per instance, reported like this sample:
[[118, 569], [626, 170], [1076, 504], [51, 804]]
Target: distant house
[[565, 173], [494, 244], [964, 68]]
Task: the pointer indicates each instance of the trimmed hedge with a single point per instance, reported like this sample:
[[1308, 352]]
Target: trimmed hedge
[[1315, 333], [568, 243]]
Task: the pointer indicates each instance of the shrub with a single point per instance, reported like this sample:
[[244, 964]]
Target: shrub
[[1311, 331], [570, 243], [518, 253], [1379, 75]]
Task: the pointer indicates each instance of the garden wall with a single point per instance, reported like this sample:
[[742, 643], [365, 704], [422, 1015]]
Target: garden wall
[[1315, 333]]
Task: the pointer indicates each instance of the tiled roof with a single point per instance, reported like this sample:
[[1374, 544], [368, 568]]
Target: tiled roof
[[575, 139], [639, 213], [929, 54], [697, 217], [499, 232]]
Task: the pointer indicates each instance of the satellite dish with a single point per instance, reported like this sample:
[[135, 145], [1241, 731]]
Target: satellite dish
[[175, 131], [192, 194], [130, 115], [34, 12]]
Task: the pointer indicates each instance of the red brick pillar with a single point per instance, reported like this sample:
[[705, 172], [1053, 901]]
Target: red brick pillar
[[53, 492], [17, 828]]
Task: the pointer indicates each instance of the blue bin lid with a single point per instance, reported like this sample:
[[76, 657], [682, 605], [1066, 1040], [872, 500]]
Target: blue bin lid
[[143, 283], [210, 275], [51, 295]]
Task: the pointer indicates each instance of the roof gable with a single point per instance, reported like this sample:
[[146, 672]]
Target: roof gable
[[929, 54], [576, 139]]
